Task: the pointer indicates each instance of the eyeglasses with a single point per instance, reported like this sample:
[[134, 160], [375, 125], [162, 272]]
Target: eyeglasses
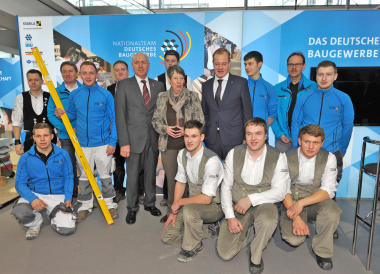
[[295, 65]]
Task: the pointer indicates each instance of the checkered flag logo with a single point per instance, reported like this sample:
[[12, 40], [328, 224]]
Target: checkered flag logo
[[169, 45], [28, 37], [38, 23]]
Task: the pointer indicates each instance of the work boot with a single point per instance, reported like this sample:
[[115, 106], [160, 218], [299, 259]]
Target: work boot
[[186, 256], [119, 196], [31, 234], [82, 215], [214, 227], [324, 263], [114, 213], [256, 268]]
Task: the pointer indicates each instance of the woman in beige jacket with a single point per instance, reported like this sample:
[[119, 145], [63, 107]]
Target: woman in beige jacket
[[174, 107]]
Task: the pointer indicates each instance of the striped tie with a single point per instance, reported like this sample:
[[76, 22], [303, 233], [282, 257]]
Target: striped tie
[[146, 94]]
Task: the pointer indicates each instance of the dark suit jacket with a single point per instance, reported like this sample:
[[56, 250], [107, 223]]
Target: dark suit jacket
[[133, 120], [231, 115], [111, 89]]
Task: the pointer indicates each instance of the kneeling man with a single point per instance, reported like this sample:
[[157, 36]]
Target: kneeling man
[[255, 178], [201, 171], [313, 173], [45, 180]]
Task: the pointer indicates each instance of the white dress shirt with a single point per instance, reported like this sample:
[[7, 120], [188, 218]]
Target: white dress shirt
[[224, 84], [189, 83], [307, 171], [252, 174], [17, 113], [213, 171], [71, 89], [141, 85]]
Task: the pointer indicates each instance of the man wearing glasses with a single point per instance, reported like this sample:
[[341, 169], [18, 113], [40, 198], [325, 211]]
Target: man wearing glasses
[[288, 92]]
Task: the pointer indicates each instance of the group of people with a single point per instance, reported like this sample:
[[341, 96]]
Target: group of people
[[138, 118]]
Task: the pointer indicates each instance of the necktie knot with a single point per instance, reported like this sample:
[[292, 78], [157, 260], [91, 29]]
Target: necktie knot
[[220, 82], [143, 81]]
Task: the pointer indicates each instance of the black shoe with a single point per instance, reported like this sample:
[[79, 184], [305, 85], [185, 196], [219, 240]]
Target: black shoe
[[256, 268], [153, 210], [186, 256], [214, 227], [164, 219], [131, 217], [324, 263], [336, 234], [119, 196]]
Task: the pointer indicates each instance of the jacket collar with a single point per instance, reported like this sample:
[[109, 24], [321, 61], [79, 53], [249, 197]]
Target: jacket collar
[[300, 83], [32, 150]]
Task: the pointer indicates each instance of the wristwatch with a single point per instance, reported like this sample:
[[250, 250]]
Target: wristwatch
[[17, 142]]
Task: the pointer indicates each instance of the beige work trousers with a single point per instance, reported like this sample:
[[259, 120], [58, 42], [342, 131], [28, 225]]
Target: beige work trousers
[[188, 227], [260, 220], [327, 216]]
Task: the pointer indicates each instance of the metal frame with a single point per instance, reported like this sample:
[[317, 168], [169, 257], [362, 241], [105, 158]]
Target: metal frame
[[373, 212]]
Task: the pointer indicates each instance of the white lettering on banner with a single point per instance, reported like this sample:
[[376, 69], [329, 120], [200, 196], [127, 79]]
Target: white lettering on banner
[[343, 53], [5, 78], [364, 52], [1, 73], [133, 47]]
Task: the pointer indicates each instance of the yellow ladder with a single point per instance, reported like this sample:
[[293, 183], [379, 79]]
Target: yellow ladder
[[72, 135]]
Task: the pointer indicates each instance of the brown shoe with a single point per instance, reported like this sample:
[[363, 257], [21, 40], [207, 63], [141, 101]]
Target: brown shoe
[[82, 215], [114, 213]]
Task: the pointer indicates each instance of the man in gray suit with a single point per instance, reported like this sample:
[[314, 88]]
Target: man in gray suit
[[135, 102], [226, 105]]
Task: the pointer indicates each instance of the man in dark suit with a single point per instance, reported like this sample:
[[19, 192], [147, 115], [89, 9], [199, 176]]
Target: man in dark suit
[[226, 106], [135, 103]]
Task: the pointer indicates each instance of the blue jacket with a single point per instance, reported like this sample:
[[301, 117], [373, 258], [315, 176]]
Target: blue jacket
[[265, 98], [280, 126], [332, 109], [63, 94], [94, 109], [56, 177]]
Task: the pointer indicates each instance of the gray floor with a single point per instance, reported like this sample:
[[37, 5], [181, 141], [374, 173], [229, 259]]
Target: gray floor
[[122, 248]]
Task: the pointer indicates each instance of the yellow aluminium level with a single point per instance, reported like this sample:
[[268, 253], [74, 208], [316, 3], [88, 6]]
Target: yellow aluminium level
[[72, 135]]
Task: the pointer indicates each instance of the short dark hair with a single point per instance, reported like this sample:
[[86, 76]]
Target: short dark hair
[[75, 55], [313, 130], [296, 53], [325, 64], [41, 126], [194, 124], [172, 52], [69, 64], [257, 122], [221, 51], [121, 62], [255, 55], [33, 71], [177, 69], [89, 63]]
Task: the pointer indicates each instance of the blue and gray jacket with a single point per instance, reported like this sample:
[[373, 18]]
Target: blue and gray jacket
[[56, 177], [64, 95], [332, 109], [263, 98], [280, 126], [94, 111]]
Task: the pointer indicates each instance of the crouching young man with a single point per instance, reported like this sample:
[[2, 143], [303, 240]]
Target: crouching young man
[[255, 178], [201, 170], [313, 173], [45, 180]]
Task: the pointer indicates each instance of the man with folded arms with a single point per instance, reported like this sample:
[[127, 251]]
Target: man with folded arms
[[201, 170], [255, 178], [313, 173]]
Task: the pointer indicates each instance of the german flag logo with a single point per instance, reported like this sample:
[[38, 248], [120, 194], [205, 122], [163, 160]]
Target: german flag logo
[[38, 23]]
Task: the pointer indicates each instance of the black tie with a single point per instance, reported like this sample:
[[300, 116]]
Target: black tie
[[218, 93]]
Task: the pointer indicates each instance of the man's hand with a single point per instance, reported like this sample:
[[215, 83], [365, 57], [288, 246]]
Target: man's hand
[[175, 207], [59, 112], [38, 204], [125, 151], [243, 205], [284, 139], [19, 149], [67, 204], [294, 210], [172, 217], [110, 150], [234, 225], [300, 228]]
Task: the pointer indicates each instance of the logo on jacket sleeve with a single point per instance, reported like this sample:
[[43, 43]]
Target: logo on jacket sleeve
[[98, 103], [332, 107]]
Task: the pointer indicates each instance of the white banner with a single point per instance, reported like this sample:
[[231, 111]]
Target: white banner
[[36, 32]]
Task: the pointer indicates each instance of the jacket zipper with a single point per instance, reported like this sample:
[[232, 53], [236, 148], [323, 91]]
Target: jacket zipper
[[88, 102], [101, 133], [320, 114], [47, 171]]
